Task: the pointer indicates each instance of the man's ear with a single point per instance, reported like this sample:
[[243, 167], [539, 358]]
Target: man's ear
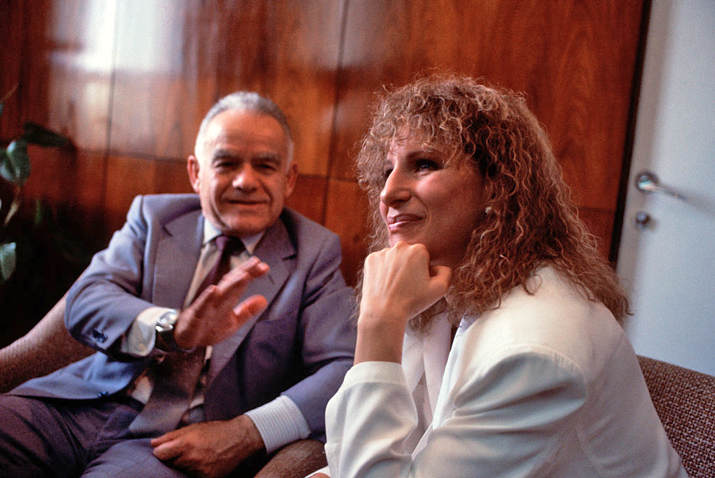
[[291, 177], [192, 166]]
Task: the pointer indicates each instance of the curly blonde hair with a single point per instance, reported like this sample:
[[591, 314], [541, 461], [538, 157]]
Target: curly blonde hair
[[530, 221]]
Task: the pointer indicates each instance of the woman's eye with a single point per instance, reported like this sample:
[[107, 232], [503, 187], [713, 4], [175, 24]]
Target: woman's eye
[[426, 164], [386, 172]]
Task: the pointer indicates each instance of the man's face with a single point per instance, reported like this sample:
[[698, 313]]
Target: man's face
[[241, 172]]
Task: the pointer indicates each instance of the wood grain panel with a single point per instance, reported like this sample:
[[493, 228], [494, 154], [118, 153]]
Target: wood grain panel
[[130, 80], [171, 177], [174, 59], [600, 223], [66, 85], [52, 175], [574, 61], [127, 177], [308, 197], [346, 214], [11, 20], [130, 176]]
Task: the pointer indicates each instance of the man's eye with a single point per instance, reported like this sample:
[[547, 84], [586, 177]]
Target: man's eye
[[386, 173], [223, 165], [267, 167]]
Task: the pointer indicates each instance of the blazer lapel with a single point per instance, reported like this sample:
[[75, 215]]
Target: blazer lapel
[[276, 250], [176, 257]]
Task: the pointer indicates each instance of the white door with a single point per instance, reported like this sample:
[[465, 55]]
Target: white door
[[667, 250]]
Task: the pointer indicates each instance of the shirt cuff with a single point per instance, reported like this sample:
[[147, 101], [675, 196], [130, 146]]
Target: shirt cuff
[[279, 422], [139, 340], [375, 372]]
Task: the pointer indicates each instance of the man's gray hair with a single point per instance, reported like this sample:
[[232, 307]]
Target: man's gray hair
[[247, 101]]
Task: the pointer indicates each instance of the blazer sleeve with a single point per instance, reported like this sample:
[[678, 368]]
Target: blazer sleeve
[[327, 335], [507, 419], [104, 302]]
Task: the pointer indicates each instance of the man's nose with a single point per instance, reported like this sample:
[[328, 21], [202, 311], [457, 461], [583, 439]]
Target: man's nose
[[396, 189], [245, 179]]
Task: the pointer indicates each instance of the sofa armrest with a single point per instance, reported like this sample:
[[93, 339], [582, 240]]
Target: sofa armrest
[[295, 460], [45, 348]]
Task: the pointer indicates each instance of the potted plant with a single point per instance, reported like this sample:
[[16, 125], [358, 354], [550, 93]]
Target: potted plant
[[14, 170], [43, 247]]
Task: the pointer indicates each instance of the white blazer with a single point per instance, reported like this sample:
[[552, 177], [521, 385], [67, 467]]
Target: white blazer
[[546, 385]]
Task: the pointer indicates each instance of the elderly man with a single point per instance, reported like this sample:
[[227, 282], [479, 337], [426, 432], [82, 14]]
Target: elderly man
[[200, 370]]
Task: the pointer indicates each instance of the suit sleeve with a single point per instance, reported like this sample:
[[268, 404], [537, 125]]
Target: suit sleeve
[[327, 335], [508, 420], [103, 303]]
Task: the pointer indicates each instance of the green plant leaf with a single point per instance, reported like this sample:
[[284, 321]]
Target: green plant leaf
[[16, 167], [40, 213], [7, 261], [14, 207], [7, 95], [36, 134]]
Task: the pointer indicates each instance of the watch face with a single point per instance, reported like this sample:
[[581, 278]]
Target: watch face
[[168, 318], [166, 322]]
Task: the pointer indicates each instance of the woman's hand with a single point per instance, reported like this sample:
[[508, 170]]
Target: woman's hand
[[398, 284]]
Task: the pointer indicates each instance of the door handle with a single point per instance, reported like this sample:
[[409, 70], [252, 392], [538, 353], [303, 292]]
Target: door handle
[[647, 182]]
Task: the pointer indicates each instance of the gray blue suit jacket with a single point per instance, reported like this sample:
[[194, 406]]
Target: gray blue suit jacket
[[301, 345]]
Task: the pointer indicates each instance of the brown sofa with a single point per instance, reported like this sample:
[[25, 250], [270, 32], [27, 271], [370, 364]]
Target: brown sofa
[[684, 399], [685, 402], [48, 346]]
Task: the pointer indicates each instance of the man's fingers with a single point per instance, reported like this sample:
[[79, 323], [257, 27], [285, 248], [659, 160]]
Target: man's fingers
[[167, 451], [250, 308], [218, 302], [239, 277], [166, 437], [252, 268]]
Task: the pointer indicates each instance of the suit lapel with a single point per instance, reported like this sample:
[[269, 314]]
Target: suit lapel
[[276, 250], [176, 257]]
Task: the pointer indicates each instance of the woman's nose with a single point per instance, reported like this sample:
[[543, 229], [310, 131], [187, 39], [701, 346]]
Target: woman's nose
[[396, 189]]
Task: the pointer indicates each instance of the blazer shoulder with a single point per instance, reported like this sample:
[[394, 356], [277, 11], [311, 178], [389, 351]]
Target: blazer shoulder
[[163, 208], [300, 227], [553, 315]]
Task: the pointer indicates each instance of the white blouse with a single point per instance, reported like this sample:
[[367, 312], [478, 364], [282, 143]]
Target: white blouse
[[545, 385]]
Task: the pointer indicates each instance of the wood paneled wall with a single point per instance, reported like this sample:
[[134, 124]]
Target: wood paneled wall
[[129, 81]]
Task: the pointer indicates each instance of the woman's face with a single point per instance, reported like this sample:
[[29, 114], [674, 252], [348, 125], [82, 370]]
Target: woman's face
[[430, 201]]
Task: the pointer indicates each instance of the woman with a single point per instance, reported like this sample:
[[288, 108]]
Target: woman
[[488, 336]]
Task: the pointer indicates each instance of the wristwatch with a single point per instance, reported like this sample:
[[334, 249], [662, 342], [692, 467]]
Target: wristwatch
[[165, 332]]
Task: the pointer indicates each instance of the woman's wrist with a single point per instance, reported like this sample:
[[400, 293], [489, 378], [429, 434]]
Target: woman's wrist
[[379, 338]]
